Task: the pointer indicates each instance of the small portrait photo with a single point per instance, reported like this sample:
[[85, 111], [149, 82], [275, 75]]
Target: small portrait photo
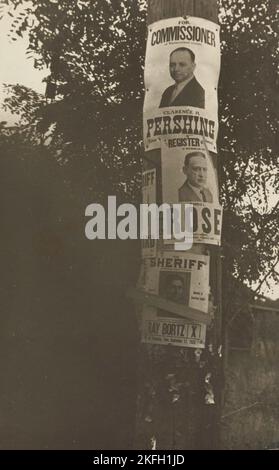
[[188, 176], [194, 188], [186, 90], [174, 286]]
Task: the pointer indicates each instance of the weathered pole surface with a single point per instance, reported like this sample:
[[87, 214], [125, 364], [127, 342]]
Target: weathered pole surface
[[161, 9], [173, 411]]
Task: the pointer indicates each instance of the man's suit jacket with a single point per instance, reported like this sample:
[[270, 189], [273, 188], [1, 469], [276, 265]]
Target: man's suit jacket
[[186, 194], [191, 95]]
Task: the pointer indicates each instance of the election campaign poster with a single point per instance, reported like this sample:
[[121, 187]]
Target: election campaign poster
[[189, 177], [182, 69], [149, 245], [180, 277], [206, 225], [149, 186], [170, 330], [183, 279]]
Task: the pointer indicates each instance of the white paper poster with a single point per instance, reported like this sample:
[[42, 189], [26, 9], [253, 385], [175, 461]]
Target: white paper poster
[[182, 69], [180, 277], [175, 331], [189, 176]]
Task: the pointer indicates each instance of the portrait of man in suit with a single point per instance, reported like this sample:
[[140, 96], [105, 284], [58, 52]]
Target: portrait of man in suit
[[174, 287], [194, 188], [186, 91]]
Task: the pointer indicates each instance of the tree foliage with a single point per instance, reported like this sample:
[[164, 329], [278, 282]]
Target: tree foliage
[[95, 55]]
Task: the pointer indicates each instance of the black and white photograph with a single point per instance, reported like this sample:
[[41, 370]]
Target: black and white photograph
[[139, 266]]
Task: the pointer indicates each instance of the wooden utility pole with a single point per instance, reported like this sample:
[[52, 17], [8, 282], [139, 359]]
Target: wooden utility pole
[[180, 388]]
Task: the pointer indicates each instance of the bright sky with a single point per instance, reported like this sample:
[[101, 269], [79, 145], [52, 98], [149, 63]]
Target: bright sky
[[15, 67]]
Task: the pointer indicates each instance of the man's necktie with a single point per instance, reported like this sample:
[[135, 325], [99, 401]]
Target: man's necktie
[[174, 94], [203, 195]]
